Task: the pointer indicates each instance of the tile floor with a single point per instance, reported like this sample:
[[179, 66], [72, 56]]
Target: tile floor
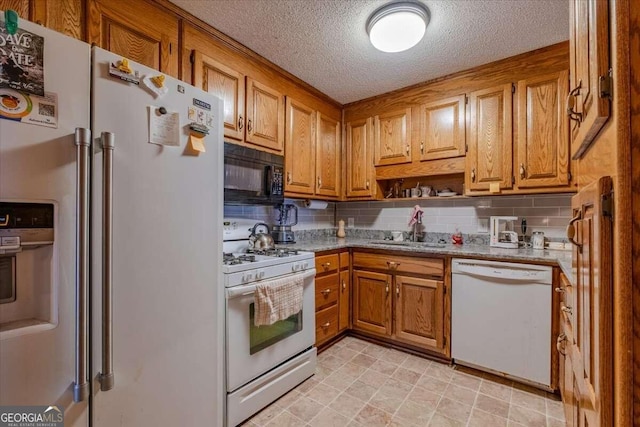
[[359, 384]]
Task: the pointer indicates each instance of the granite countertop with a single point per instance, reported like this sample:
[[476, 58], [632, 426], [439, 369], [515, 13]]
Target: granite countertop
[[562, 258]]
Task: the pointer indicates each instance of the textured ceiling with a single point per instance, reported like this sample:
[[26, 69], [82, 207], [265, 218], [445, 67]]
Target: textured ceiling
[[325, 43]]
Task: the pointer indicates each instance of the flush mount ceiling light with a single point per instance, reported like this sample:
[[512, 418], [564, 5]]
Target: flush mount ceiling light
[[397, 26]]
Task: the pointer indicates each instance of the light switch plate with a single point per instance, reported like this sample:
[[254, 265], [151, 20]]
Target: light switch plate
[[483, 225], [351, 222]]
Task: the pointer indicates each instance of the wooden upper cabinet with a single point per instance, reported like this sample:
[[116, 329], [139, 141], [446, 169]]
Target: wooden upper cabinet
[[489, 160], [137, 30], [225, 83], [300, 148], [392, 138], [419, 312], [328, 157], [442, 130], [372, 302], [542, 144], [589, 64], [265, 116], [64, 16], [359, 167]]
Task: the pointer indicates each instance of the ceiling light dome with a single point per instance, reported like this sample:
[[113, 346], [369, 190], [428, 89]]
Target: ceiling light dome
[[397, 26]]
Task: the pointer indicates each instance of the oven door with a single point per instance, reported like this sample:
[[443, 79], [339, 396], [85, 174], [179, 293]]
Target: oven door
[[252, 350]]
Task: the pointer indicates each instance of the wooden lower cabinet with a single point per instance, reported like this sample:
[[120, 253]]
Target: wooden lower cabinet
[[333, 298], [402, 307]]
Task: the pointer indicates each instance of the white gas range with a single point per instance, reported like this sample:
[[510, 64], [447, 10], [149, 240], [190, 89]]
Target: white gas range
[[263, 362]]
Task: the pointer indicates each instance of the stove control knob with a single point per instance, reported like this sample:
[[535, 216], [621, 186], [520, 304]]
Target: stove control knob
[[295, 267], [247, 277], [305, 265], [260, 275]]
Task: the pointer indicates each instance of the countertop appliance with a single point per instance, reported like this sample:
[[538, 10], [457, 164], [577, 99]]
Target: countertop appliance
[[501, 319], [264, 362], [252, 177], [503, 234], [282, 232], [156, 341]]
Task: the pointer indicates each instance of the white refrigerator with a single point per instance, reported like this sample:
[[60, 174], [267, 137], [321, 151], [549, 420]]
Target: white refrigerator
[[119, 318]]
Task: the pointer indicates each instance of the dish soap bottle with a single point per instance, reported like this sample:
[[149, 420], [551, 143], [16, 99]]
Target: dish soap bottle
[[341, 232], [456, 238]]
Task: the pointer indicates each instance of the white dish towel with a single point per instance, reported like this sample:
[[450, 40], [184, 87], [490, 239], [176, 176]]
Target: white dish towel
[[278, 299]]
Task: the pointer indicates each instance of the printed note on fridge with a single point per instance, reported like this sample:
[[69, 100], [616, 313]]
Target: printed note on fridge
[[164, 129]]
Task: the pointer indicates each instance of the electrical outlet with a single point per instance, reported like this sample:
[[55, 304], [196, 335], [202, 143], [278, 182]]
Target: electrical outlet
[[483, 225], [351, 222]]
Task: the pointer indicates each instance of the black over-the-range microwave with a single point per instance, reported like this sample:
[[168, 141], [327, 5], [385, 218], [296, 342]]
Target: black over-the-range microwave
[[252, 176]]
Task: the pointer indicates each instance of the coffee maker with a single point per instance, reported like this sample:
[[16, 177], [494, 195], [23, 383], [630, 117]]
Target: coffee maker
[[503, 234], [282, 232]]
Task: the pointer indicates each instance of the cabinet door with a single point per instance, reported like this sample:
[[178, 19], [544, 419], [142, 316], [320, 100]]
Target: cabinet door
[[225, 83], [442, 132], [542, 145], [593, 359], [489, 160], [22, 7], [419, 312], [300, 148], [372, 302], [265, 116], [589, 63], [328, 158], [392, 139], [359, 158], [137, 30], [345, 301]]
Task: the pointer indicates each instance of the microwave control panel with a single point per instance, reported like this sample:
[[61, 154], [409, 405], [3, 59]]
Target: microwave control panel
[[277, 183]]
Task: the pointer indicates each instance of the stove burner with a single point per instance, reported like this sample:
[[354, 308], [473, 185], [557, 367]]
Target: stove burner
[[279, 252], [230, 259]]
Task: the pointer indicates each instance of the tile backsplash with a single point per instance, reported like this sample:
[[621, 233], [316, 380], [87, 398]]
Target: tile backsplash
[[547, 213]]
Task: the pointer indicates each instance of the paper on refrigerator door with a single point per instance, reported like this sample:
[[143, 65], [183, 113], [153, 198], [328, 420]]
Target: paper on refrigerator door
[[164, 129]]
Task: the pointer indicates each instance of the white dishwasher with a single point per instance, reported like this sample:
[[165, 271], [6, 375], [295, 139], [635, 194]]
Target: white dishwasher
[[501, 318]]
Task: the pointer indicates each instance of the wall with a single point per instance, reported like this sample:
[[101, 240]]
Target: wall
[[547, 213]]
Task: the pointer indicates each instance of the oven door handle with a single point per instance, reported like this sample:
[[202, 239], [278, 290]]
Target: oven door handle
[[246, 290]]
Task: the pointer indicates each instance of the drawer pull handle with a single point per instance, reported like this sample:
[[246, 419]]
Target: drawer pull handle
[[326, 292], [240, 123], [326, 265], [393, 265], [571, 231], [344, 286], [566, 309], [326, 325], [473, 175], [571, 103], [560, 290], [398, 291], [386, 289], [561, 338]]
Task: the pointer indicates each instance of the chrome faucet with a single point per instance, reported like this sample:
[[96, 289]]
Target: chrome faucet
[[414, 237]]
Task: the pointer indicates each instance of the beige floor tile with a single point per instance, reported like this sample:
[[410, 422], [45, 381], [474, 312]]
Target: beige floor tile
[[460, 394], [440, 371], [454, 410], [373, 378], [527, 417], [384, 367], [432, 384], [385, 401], [424, 397], [266, 415], [361, 391], [308, 384], [415, 363], [467, 381], [552, 422], [329, 418], [514, 424], [322, 372], [491, 405], [406, 375], [331, 362], [371, 416], [374, 350], [528, 400], [439, 420], [484, 419], [323, 393], [351, 369], [497, 391], [305, 408], [396, 387], [555, 409], [286, 400], [394, 356], [401, 422], [363, 360], [354, 423], [347, 405], [415, 413], [339, 381], [357, 345], [286, 419], [345, 354]]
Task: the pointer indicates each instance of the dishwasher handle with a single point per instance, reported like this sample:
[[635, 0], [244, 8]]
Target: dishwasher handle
[[505, 271]]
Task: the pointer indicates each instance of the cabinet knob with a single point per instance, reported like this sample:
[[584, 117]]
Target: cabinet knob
[[326, 265], [422, 148], [559, 344], [240, 122], [407, 149], [344, 286], [319, 182], [367, 184], [473, 175], [566, 309], [393, 265], [326, 292], [288, 177], [398, 291], [386, 289], [326, 325], [571, 103], [249, 127], [559, 290], [522, 171]]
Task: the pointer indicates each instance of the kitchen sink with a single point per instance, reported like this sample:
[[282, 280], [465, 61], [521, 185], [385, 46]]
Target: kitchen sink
[[409, 244]]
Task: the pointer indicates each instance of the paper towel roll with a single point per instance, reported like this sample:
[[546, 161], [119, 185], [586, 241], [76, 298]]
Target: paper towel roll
[[315, 204]]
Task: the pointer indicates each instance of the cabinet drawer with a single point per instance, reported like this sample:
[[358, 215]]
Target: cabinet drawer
[[423, 266], [344, 260], [327, 263], [327, 290], [326, 324]]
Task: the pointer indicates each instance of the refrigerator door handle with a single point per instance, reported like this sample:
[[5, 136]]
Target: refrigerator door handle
[[83, 149], [106, 376]]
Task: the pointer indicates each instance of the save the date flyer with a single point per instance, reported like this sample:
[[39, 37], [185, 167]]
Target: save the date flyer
[[21, 61]]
